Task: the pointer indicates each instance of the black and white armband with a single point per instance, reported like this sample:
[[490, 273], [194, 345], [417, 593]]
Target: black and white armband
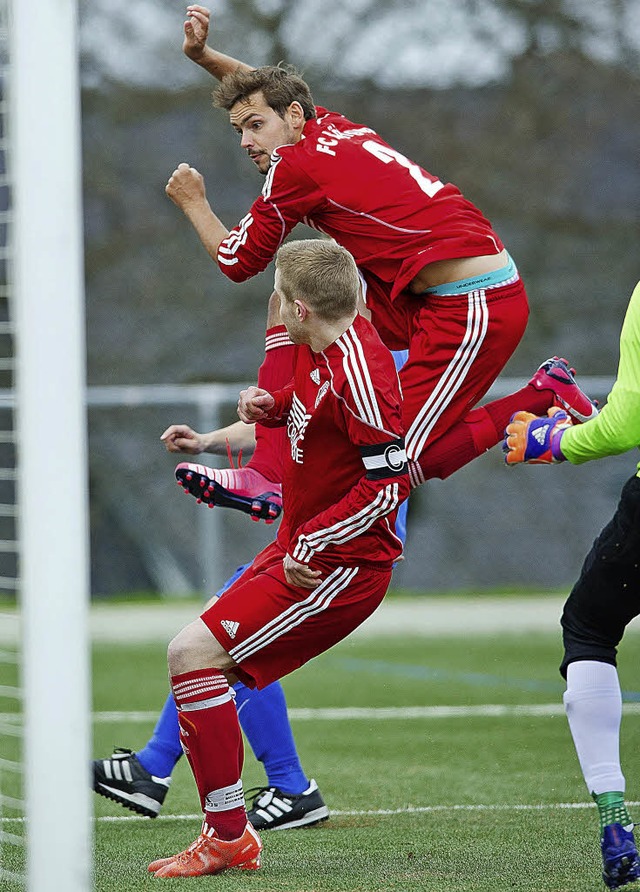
[[385, 459]]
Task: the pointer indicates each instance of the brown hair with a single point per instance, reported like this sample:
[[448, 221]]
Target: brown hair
[[321, 272], [279, 84]]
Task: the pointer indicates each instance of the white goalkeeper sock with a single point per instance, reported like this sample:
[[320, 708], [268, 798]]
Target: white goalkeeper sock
[[593, 704]]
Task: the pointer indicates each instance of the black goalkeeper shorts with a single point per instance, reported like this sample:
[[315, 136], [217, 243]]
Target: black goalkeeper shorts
[[606, 597]]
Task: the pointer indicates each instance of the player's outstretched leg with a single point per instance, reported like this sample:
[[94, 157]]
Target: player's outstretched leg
[[244, 489], [555, 375], [122, 778], [553, 384]]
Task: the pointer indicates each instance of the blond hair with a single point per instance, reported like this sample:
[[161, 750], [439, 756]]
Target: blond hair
[[279, 84], [322, 273]]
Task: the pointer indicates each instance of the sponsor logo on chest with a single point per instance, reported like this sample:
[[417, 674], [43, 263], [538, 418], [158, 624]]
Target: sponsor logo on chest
[[296, 428], [299, 418]]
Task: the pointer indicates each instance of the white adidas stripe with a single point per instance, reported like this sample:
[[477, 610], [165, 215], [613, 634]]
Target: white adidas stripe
[[294, 616], [280, 339], [349, 529], [454, 375], [291, 610], [356, 370], [449, 383], [268, 181], [385, 501], [237, 236], [235, 240], [319, 599]]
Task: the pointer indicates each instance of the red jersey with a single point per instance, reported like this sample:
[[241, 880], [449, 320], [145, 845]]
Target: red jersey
[[342, 179], [346, 472]]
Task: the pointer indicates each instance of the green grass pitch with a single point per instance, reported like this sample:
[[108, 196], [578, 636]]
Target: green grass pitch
[[484, 797], [467, 803]]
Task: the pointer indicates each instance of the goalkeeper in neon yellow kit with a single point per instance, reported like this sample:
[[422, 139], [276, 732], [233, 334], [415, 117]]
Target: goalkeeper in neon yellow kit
[[606, 596]]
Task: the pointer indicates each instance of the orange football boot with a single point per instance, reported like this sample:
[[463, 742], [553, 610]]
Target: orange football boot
[[209, 855]]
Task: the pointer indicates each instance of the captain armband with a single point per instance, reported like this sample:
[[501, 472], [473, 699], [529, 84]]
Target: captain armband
[[385, 459]]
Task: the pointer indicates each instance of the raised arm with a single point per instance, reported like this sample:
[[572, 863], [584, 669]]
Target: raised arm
[[186, 189], [195, 47]]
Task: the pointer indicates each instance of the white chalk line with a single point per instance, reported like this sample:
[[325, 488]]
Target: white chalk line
[[373, 812], [370, 713], [385, 713]]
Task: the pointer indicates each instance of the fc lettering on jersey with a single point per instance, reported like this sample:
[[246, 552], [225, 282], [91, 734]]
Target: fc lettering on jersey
[[331, 136], [324, 144]]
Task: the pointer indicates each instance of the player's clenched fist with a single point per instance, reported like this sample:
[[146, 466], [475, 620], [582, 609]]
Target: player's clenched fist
[[185, 186], [254, 404], [534, 440]]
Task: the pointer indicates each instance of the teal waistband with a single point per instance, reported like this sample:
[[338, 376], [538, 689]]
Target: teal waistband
[[486, 280]]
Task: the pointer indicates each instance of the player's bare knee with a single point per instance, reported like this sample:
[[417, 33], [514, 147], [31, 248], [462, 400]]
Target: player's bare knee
[[194, 647], [177, 653]]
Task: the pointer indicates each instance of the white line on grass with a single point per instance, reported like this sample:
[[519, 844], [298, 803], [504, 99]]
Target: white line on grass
[[334, 714], [348, 713], [382, 812]]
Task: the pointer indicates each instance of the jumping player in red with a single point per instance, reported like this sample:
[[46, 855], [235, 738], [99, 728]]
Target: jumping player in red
[[344, 478], [438, 279]]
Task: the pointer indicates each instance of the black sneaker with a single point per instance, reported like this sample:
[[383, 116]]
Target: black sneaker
[[123, 779], [274, 810]]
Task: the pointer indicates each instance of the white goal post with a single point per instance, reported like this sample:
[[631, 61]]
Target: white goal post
[[48, 305]]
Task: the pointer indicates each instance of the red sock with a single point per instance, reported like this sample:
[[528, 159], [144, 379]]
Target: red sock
[[275, 372], [527, 399], [478, 431], [210, 735]]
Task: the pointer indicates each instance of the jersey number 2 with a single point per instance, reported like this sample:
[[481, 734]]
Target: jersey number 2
[[387, 154]]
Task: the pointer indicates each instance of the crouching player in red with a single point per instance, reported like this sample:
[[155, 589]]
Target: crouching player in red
[[330, 566]]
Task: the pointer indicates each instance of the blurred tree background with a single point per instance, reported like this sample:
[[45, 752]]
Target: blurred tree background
[[529, 106]]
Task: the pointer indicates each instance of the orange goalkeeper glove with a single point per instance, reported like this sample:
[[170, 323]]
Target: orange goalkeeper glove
[[534, 440]]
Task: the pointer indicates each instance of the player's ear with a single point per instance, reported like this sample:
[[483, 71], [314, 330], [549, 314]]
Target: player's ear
[[302, 311], [296, 115]]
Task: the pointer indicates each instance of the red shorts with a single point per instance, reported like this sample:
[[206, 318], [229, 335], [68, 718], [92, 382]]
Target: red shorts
[[270, 628], [459, 346]]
